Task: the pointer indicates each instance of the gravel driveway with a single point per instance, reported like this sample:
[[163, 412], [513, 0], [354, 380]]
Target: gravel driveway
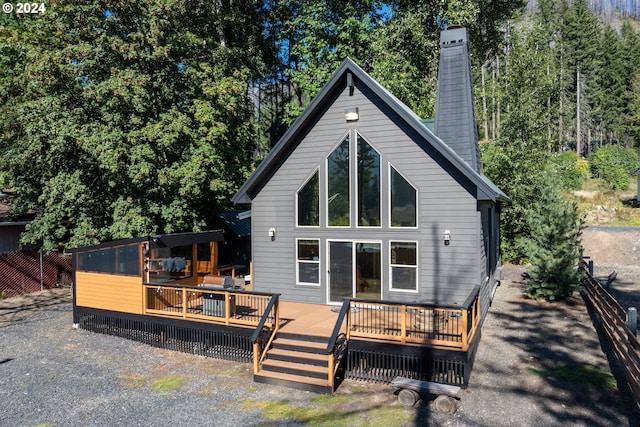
[[54, 375]]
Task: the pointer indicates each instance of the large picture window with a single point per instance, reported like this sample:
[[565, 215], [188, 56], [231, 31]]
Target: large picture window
[[338, 207], [404, 266], [121, 260], [309, 202], [368, 184], [308, 259], [403, 201]]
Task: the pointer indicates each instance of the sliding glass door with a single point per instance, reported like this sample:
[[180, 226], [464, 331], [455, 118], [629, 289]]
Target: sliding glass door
[[354, 270]]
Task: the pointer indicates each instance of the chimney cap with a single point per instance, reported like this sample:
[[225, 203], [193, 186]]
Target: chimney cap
[[453, 36]]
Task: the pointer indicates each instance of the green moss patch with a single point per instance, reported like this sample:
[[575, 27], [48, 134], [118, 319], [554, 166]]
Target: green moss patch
[[582, 374], [326, 411], [168, 383]]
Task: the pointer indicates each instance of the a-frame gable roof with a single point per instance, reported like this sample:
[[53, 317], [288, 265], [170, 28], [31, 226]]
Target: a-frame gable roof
[[486, 190]]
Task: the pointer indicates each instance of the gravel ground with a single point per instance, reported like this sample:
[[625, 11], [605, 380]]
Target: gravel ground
[[54, 375]]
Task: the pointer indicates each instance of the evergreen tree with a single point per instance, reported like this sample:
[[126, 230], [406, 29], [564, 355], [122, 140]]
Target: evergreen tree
[[611, 87], [581, 49], [554, 246], [631, 111]]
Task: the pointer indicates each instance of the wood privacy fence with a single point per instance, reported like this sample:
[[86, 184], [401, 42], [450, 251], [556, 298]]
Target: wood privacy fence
[[613, 319], [23, 272]]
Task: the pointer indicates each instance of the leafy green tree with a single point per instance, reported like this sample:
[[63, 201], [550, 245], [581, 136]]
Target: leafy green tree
[[406, 46], [128, 118], [569, 169], [554, 246], [614, 164], [518, 169], [517, 161]]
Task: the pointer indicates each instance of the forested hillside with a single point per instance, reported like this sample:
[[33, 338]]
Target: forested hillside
[[120, 119], [608, 9], [565, 78]]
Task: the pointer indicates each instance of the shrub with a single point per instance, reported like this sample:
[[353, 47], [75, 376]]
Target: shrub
[[614, 164], [570, 169]]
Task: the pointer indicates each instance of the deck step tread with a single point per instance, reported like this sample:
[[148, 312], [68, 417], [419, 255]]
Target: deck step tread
[[301, 343], [303, 337], [281, 365], [321, 382], [298, 357]]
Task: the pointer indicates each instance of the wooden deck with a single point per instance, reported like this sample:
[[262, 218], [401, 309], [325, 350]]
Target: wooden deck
[[303, 345], [307, 319]]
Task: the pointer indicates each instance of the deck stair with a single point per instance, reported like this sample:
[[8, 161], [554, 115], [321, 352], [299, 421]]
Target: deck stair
[[297, 361]]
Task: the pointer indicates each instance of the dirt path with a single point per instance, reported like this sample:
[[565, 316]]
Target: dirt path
[[16, 308]]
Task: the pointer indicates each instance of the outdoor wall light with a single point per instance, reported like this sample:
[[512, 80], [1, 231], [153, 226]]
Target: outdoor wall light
[[351, 114], [272, 233], [447, 237]]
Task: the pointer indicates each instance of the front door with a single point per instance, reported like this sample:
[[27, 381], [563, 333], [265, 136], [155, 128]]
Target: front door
[[340, 272], [354, 270]]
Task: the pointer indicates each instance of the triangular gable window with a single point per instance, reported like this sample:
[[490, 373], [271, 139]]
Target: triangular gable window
[[309, 202], [403, 201]]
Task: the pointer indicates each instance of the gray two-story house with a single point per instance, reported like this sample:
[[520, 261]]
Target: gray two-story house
[[361, 199]]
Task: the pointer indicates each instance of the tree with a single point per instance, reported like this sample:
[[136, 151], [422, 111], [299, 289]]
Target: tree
[[614, 164], [517, 169], [581, 49], [554, 247], [128, 118], [612, 86]]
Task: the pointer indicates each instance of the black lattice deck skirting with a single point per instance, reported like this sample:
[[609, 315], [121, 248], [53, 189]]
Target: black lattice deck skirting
[[201, 338], [381, 362]]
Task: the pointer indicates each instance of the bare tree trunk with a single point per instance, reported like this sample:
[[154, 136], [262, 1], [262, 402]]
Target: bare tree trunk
[[578, 130], [484, 105], [498, 101]]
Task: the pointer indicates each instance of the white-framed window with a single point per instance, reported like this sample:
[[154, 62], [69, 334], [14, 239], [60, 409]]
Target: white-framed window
[[369, 184], [403, 201], [308, 202], [338, 185], [403, 266], [308, 261]]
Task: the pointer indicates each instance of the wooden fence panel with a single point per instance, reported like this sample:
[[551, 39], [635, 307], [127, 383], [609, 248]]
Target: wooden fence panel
[[20, 272], [614, 324]]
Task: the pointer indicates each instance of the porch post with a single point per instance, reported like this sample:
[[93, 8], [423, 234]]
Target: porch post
[[465, 328]]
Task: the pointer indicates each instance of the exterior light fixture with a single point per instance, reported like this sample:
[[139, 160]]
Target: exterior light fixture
[[447, 237], [272, 233], [351, 114]]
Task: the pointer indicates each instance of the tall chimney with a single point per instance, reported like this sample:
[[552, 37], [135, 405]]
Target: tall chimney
[[455, 112]]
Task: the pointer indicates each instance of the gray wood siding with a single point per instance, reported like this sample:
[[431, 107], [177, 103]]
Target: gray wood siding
[[446, 273]]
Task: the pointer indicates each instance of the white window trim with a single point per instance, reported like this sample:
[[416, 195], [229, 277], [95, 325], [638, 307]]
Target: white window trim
[[391, 288], [326, 183], [389, 204], [298, 261], [316, 170], [357, 202]]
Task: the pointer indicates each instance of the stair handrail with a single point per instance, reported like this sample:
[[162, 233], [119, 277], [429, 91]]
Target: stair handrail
[[334, 362], [258, 357], [338, 326]]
